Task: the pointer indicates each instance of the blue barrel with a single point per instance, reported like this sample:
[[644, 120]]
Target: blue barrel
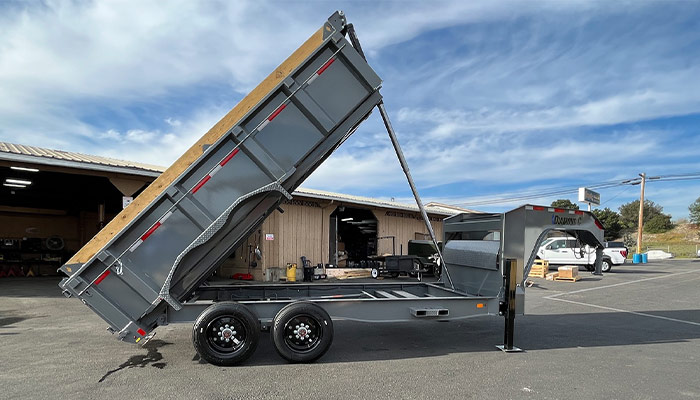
[[644, 258], [636, 258]]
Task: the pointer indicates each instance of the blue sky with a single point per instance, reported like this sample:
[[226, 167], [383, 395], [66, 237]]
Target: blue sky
[[488, 98]]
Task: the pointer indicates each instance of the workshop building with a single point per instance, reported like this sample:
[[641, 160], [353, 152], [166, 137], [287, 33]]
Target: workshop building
[[53, 202]]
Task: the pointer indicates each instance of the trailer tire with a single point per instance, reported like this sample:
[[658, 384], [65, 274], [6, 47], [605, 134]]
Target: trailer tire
[[606, 265], [374, 273], [307, 344], [229, 321]]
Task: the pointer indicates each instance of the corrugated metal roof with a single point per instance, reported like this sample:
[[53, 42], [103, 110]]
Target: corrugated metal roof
[[450, 208], [369, 201], [40, 155]]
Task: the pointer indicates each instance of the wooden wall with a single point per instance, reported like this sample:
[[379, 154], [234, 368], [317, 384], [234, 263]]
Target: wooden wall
[[303, 230], [404, 225]]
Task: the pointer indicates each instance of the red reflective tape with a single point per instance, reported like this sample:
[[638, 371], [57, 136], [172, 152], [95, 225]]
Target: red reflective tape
[[150, 231], [229, 157], [599, 225], [538, 208], [141, 332], [200, 184], [578, 212], [325, 66], [277, 112], [559, 210], [102, 277]]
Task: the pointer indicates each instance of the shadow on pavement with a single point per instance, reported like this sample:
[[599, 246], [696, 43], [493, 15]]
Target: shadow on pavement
[[8, 318], [371, 342], [141, 361]]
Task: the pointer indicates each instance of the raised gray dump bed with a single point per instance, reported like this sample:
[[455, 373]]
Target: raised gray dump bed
[[183, 235]]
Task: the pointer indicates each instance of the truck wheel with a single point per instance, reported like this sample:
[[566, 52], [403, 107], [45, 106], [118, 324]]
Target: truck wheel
[[226, 333], [606, 266], [375, 273], [302, 332]]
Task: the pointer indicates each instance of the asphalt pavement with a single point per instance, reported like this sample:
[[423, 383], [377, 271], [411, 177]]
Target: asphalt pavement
[[634, 334]]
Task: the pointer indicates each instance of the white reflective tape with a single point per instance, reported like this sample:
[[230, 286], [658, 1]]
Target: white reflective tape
[[264, 124], [572, 212], [166, 216], [135, 245], [550, 209], [313, 78], [215, 170], [528, 208]]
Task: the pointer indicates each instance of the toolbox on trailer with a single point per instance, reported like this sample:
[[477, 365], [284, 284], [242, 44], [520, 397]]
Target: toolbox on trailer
[[147, 266]]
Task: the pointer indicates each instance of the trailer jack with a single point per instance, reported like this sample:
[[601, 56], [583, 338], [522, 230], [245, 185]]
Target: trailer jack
[[507, 307]]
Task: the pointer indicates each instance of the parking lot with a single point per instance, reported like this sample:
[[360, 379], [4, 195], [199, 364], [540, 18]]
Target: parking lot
[[634, 334]]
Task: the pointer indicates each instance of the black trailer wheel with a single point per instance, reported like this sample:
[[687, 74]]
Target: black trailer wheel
[[302, 332], [226, 333]]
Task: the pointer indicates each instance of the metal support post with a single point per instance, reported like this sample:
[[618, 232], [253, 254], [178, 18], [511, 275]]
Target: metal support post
[[510, 284], [404, 166], [598, 261]]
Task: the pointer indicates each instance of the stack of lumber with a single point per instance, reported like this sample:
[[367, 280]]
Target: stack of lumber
[[348, 273]]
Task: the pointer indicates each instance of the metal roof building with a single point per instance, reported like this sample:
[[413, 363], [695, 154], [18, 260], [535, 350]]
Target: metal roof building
[[54, 201]]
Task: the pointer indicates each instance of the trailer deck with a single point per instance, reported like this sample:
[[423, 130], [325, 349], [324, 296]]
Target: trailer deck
[[365, 302]]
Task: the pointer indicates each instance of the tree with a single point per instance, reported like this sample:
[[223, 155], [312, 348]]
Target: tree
[[629, 213], [658, 224], [565, 203], [695, 212], [611, 222]]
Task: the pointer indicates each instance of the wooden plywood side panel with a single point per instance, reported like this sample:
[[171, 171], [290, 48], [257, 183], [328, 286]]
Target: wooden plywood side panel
[[325, 232], [266, 245], [191, 155], [315, 220], [383, 245]]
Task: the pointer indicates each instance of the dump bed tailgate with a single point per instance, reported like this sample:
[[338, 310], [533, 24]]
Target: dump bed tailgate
[[158, 250]]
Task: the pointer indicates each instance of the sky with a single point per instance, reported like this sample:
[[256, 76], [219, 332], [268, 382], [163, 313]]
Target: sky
[[489, 99]]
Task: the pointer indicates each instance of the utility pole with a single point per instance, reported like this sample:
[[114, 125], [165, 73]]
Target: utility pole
[[640, 225]]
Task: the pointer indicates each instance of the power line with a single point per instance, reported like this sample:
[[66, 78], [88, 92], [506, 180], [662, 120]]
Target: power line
[[628, 187], [563, 190]]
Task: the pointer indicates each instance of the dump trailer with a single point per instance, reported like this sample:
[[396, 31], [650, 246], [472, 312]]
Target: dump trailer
[[147, 267]]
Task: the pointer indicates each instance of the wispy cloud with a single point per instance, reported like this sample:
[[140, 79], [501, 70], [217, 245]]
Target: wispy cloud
[[486, 97]]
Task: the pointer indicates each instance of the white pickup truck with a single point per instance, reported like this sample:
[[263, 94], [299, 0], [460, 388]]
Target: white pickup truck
[[567, 251]]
